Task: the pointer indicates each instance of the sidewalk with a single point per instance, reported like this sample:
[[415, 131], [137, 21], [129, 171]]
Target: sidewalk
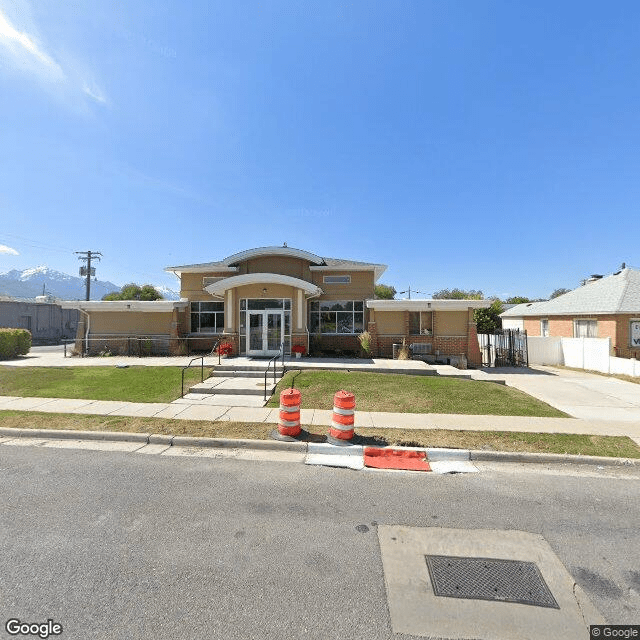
[[184, 410]]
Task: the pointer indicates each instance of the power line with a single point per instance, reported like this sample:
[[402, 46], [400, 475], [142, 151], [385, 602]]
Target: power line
[[410, 290], [31, 242]]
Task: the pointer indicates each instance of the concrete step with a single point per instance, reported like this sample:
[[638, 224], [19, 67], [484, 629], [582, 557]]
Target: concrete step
[[246, 368], [228, 373], [220, 400], [233, 386], [446, 370]]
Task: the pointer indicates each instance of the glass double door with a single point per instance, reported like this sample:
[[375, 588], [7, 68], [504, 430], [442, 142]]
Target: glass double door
[[265, 332]]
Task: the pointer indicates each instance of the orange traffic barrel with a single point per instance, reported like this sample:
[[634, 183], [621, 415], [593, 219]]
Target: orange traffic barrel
[[289, 420], [342, 420]]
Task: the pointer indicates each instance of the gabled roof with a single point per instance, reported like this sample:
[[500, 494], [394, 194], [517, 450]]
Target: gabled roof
[[617, 293], [318, 262]]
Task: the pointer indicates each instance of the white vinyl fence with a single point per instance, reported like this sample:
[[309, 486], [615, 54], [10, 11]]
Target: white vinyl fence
[[545, 350], [580, 353]]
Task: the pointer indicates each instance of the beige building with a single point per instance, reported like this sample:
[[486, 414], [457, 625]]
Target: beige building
[[261, 299]]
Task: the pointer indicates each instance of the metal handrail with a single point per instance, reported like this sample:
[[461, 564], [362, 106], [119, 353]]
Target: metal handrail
[[201, 358], [213, 350], [266, 371]]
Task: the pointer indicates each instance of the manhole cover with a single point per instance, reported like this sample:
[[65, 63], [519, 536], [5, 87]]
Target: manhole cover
[[489, 579]]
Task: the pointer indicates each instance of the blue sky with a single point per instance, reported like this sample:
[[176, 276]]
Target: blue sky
[[488, 145]]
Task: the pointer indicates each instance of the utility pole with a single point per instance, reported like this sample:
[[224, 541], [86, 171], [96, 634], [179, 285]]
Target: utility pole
[[88, 270], [409, 292]]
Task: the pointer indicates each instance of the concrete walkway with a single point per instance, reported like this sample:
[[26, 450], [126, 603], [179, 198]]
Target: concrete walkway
[[582, 395]]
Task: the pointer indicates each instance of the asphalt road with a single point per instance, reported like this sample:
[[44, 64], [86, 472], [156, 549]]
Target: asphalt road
[[124, 546]]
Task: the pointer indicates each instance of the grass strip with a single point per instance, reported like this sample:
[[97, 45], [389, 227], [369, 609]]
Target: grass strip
[[614, 446], [413, 394], [131, 384], [617, 376]]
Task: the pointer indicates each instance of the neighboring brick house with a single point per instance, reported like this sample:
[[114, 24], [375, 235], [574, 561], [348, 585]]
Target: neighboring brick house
[[261, 298], [604, 307]]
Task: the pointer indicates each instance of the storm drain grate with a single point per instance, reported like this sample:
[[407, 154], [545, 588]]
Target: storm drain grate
[[489, 579]]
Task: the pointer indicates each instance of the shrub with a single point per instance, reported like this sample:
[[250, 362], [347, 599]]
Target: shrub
[[404, 353], [225, 349], [365, 342], [14, 342]]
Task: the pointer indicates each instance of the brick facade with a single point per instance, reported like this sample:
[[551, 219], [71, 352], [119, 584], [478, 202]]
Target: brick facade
[[347, 343], [442, 346]]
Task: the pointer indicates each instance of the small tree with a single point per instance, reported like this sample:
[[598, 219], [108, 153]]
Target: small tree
[[385, 292], [517, 300], [558, 292], [458, 294], [133, 291], [488, 320]]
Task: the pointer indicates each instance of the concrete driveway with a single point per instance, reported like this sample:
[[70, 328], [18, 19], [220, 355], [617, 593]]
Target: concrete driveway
[[581, 395]]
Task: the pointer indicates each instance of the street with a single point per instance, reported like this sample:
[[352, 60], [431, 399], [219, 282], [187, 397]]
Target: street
[[121, 546]]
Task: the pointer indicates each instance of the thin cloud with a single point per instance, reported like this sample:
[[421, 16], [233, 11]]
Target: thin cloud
[[26, 50], [28, 55], [8, 250], [94, 93]]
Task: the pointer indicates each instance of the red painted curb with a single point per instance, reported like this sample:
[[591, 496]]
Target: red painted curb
[[396, 459]]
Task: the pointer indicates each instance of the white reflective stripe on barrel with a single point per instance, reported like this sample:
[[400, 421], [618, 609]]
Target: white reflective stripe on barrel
[[288, 423], [341, 427], [290, 409], [344, 412]]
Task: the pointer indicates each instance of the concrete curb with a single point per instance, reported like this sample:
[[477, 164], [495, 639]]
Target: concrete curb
[[66, 434], [302, 447], [230, 443], [178, 441], [541, 458]]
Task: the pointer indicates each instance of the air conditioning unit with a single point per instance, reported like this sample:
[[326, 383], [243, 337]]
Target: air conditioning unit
[[421, 349]]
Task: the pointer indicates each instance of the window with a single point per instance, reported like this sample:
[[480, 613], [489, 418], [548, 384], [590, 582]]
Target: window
[[585, 328], [634, 334], [336, 316], [337, 279], [420, 323], [544, 328], [207, 317]]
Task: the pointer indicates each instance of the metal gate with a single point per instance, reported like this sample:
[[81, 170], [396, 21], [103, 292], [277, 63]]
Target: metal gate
[[505, 348]]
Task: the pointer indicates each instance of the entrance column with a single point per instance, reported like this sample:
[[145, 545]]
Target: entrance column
[[229, 312], [300, 317]]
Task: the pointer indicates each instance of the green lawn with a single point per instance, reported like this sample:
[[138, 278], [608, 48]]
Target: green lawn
[[133, 384], [413, 394], [615, 446]]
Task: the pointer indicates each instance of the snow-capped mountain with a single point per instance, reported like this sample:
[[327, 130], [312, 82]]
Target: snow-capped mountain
[[30, 283], [168, 294]]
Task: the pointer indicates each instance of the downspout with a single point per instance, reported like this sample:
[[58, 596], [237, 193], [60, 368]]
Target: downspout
[[87, 326]]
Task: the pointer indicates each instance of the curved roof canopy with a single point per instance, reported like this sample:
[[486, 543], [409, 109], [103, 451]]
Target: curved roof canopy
[[218, 288], [272, 251], [229, 264]]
